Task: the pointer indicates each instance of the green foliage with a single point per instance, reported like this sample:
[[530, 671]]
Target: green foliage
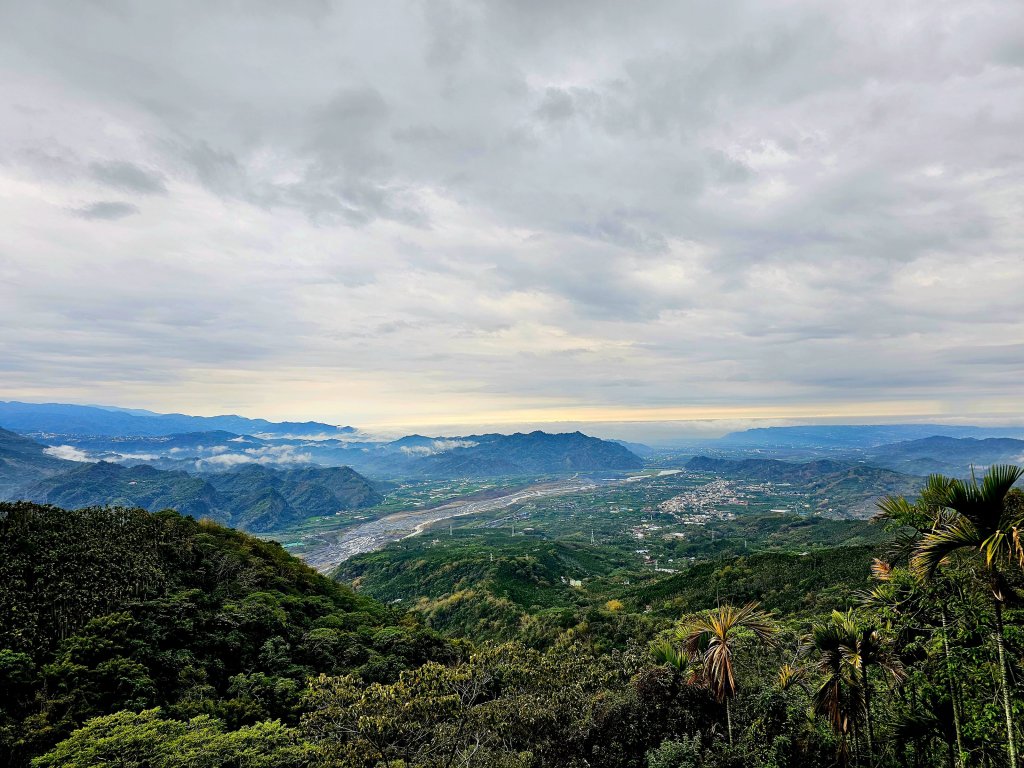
[[785, 582], [130, 740], [110, 609], [131, 639]]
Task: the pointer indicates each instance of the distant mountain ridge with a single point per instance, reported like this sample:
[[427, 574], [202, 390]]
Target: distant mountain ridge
[[852, 488], [855, 435], [24, 461], [252, 497], [947, 455], [63, 418], [412, 456], [533, 453]]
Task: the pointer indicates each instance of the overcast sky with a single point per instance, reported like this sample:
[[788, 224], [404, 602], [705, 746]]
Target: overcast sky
[[406, 214]]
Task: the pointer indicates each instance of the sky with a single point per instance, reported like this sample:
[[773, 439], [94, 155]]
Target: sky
[[398, 214]]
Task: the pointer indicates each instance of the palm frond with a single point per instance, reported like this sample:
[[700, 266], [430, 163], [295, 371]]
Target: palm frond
[[998, 481], [881, 570], [667, 654], [936, 547], [790, 675], [711, 639]]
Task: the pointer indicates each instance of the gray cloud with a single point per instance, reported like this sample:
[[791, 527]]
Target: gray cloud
[[401, 212], [128, 177], [107, 210]]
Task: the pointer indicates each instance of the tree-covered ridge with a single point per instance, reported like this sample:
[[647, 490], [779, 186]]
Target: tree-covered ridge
[[251, 497], [218, 649], [112, 608], [23, 461]]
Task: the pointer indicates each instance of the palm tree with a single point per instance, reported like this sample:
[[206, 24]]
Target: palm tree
[[713, 638], [867, 651], [976, 518], [904, 594], [791, 676], [838, 698]]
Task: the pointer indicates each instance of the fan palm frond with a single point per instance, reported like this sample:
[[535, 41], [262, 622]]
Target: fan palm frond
[[790, 676]]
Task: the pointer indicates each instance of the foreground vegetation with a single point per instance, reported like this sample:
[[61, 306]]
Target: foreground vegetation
[[155, 640]]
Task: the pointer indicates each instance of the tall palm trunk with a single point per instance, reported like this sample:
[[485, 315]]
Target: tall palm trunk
[[1011, 739], [856, 737], [728, 720], [953, 694], [867, 714]]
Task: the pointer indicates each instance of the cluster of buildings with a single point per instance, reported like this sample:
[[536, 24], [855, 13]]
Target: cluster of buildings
[[703, 505]]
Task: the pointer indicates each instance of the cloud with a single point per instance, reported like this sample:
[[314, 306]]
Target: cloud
[[128, 177], [68, 452], [135, 457], [107, 211], [515, 211], [221, 458], [437, 446]]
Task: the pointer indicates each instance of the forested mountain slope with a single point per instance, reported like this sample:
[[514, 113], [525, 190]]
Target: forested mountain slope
[[23, 461], [129, 639], [111, 609], [251, 497]]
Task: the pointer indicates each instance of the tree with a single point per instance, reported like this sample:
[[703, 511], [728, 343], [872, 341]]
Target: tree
[[713, 639], [838, 698], [868, 651], [976, 518], [131, 739]]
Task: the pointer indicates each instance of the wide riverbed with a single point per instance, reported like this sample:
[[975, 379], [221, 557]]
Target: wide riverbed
[[375, 534]]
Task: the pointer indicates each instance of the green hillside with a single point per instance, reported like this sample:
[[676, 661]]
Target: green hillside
[[251, 497], [114, 609], [137, 640]]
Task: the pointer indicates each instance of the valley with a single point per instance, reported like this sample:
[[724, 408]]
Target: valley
[[330, 549], [433, 552]]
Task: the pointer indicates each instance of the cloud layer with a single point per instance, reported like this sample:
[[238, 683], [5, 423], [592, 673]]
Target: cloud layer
[[397, 213]]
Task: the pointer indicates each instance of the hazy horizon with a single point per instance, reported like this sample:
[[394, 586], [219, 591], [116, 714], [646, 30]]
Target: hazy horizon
[[654, 433]]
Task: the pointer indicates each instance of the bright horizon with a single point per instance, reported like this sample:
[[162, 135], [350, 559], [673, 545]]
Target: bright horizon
[[663, 426]]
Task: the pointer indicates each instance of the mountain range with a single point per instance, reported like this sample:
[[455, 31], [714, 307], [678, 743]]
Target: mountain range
[[251, 497], [412, 456], [67, 419], [947, 455], [854, 436], [260, 484]]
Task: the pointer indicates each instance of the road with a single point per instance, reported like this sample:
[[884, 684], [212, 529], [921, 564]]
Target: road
[[375, 534]]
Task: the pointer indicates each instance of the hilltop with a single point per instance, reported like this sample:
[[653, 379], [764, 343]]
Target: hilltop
[[523, 454]]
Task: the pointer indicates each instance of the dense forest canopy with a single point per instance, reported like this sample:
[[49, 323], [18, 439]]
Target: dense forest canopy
[[137, 639]]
